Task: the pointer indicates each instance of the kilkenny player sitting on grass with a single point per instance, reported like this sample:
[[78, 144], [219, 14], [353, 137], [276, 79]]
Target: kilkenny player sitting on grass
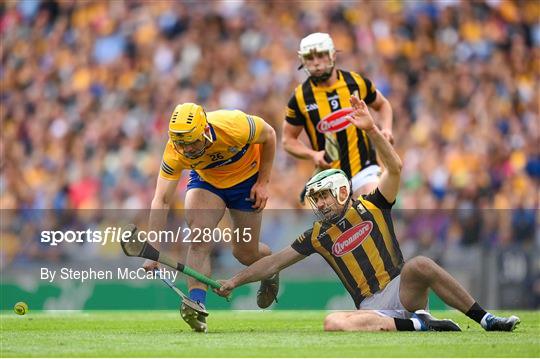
[[357, 239]]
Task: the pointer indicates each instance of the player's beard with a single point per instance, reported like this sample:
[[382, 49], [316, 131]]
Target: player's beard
[[339, 213], [334, 211], [322, 77]]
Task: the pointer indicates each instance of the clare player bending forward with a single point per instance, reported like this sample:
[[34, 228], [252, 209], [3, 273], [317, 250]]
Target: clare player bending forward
[[230, 156], [356, 238]]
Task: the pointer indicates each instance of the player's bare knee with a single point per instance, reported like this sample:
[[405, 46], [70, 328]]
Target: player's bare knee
[[193, 222], [419, 267], [246, 257]]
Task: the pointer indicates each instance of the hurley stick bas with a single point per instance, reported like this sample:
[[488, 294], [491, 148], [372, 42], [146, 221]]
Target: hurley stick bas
[[185, 299]]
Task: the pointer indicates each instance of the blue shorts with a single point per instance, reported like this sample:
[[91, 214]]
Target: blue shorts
[[235, 197]]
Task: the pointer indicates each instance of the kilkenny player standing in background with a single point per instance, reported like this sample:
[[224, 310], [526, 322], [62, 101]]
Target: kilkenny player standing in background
[[319, 106]]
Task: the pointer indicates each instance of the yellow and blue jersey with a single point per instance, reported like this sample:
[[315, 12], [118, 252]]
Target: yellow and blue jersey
[[233, 157]]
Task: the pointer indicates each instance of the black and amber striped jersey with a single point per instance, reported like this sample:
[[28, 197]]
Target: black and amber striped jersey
[[321, 110], [361, 247]]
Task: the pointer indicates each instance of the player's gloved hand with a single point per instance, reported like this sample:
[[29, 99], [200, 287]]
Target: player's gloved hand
[[319, 160], [150, 266], [259, 195], [227, 287], [387, 134]]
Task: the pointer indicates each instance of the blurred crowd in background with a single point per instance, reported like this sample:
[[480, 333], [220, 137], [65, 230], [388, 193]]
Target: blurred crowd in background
[[88, 88]]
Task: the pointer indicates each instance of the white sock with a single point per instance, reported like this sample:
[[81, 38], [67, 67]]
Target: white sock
[[417, 324], [483, 322]]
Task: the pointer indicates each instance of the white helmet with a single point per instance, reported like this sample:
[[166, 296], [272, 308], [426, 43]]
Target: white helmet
[[317, 42], [332, 180]]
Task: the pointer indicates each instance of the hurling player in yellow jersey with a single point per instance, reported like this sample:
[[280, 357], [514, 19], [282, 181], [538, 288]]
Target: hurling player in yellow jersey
[[229, 155], [357, 239], [319, 107]]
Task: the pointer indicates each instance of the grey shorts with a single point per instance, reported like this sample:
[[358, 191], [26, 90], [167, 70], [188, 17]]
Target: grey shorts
[[369, 174], [386, 302]]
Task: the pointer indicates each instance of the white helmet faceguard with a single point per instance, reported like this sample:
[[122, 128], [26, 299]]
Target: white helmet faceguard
[[332, 180], [317, 42]]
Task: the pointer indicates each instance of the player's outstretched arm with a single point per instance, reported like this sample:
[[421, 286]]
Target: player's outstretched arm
[[161, 203], [390, 178], [263, 268]]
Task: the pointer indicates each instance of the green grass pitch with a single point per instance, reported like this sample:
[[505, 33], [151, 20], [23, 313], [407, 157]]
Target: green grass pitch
[[246, 334]]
